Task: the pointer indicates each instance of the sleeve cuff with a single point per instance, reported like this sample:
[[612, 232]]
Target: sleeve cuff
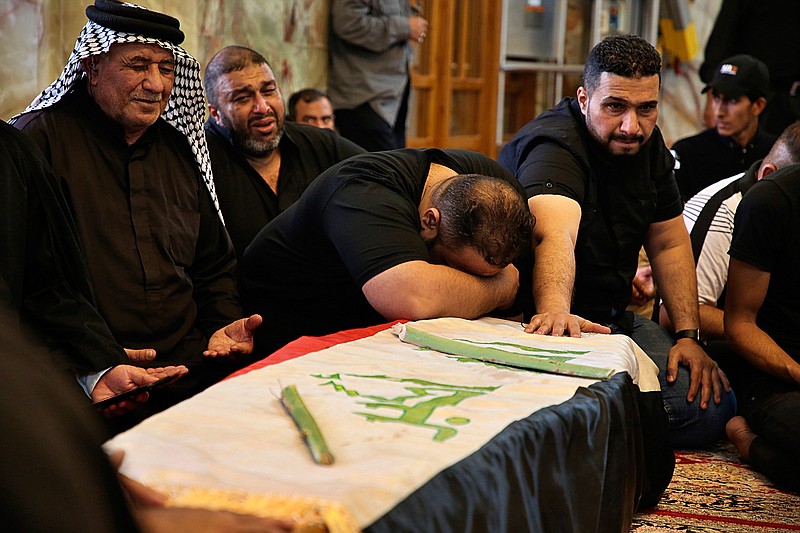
[[89, 381]]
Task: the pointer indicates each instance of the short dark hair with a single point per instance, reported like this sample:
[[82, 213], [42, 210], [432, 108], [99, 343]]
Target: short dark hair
[[629, 56], [229, 59], [485, 213], [307, 95], [786, 150]]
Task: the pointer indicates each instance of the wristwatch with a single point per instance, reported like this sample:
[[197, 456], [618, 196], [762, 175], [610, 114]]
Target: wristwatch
[[693, 334]]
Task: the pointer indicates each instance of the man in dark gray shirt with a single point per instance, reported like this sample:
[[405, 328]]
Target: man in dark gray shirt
[[368, 76]]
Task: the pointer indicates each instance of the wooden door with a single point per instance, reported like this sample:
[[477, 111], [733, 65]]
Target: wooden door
[[454, 76]]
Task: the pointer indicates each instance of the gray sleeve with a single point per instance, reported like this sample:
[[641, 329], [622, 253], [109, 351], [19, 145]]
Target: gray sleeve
[[376, 26]]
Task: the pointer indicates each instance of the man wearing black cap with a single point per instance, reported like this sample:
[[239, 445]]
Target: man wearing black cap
[[739, 88], [767, 30], [123, 128]]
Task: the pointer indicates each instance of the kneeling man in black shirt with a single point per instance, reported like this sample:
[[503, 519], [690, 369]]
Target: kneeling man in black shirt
[[405, 234]]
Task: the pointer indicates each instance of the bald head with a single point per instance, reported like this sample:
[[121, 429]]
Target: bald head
[[229, 59]]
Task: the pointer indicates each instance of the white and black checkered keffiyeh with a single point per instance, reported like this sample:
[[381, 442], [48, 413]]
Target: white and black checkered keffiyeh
[[186, 106]]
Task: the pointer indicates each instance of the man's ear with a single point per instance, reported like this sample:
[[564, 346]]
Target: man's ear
[[759, 104], [213, 111], [583, 100], [90, 67], [429, 220], [765, 170]]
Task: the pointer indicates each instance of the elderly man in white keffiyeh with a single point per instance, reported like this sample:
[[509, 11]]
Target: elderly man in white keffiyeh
[[123, 128]]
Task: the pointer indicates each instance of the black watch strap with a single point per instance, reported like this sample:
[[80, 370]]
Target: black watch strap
[[693, 334]]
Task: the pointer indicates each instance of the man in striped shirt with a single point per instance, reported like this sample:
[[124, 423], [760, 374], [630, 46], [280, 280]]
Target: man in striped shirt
[[709, 219]]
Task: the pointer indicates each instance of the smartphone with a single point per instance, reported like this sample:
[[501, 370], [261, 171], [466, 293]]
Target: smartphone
[[128, 394]]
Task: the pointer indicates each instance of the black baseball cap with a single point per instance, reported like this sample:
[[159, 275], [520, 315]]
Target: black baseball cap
[[740, 75]]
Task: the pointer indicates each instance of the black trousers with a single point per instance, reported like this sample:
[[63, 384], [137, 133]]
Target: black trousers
[[369, 130], [772, 410]]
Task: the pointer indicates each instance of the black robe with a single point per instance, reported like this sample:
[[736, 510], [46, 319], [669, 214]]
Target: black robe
[[42, 271]]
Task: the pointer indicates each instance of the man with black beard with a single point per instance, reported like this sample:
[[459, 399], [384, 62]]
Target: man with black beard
[[599, 180], [261, 163]]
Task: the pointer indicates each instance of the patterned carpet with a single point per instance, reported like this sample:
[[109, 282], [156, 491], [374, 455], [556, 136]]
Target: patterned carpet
[[712, 490]]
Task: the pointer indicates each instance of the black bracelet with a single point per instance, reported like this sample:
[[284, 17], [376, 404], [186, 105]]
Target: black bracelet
[[693, 334]]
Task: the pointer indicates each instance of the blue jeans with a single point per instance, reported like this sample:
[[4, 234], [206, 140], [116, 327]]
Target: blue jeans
[[689, 425]]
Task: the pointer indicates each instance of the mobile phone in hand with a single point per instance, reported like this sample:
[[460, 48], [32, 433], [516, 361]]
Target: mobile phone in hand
[[129, 394]]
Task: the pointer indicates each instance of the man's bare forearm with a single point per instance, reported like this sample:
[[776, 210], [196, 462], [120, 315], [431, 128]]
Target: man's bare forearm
[[678, 287], [417, 290], [752, 343], [553, 277], [712, 325]]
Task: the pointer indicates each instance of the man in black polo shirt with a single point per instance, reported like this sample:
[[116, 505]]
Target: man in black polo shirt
[[762, 317], [599, 181], [261, 163], [739, 88], [385, 236]]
